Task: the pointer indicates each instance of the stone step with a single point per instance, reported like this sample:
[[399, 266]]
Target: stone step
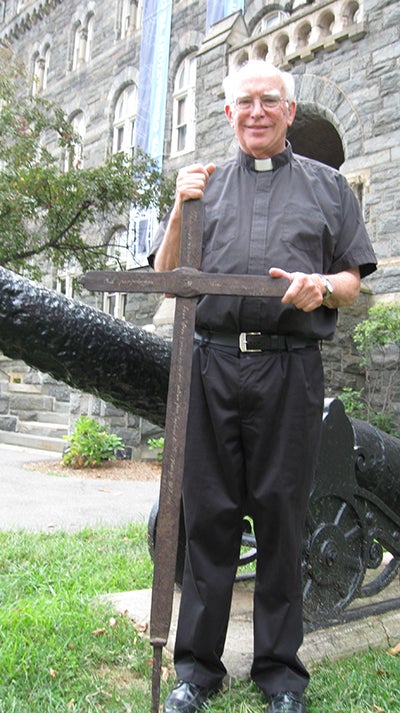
[[30, 402], [55, 417], [28, 389], [61, 407], [28, 440], [61, 417], [42, 428]]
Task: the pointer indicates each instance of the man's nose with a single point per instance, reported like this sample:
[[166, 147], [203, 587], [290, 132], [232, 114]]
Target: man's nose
[[257, 107]]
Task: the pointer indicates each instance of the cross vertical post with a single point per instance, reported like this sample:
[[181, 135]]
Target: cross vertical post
[[166, 545]]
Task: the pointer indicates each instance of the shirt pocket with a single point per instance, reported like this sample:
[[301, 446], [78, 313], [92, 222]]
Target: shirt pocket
[[222, 249], [304, 239]]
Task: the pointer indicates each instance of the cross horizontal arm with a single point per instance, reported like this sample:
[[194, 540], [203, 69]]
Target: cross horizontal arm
[[185, 282]]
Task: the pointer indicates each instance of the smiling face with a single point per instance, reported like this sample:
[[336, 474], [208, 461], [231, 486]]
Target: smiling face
[[260, 129]]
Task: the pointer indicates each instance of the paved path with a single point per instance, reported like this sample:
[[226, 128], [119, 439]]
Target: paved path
[[35, 501]]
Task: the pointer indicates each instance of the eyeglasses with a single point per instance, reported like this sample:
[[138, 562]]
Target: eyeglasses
[[267, 101]]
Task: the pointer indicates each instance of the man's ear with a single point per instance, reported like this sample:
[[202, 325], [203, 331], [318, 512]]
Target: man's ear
[[292, 113], [229, 114]]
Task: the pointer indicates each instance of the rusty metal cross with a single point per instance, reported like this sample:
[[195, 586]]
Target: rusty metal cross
[[185, 282]]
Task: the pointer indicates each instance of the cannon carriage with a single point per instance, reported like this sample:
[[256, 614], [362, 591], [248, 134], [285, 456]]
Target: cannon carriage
[[353, 517]]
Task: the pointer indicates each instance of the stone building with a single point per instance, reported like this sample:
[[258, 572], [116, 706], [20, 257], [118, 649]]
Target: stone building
[[121, 68]]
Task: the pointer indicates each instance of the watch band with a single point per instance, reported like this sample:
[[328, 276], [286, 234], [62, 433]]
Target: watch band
[[328, 287]]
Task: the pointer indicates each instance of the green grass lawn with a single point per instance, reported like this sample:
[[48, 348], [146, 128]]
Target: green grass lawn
[[63, 651]]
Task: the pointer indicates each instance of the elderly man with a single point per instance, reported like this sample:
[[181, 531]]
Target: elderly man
[[257, 382]]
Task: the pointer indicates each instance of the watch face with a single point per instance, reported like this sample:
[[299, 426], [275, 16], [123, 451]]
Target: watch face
[[329, 288]]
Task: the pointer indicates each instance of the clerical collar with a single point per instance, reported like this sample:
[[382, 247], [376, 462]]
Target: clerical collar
[[263, 164], [266, 164]]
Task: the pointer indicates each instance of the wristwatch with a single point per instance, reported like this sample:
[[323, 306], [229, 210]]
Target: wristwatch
[[328, 287]]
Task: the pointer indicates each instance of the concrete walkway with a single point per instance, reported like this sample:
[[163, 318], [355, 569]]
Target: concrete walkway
[[32, 500]]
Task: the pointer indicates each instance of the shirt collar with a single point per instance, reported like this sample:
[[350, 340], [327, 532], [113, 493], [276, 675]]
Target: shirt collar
[[271, 164]]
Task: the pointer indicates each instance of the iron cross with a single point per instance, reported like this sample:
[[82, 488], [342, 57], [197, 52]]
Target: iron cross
[[185, 282]]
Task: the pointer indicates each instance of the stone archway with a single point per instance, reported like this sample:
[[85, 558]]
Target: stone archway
[[315, 137], [327, 124]]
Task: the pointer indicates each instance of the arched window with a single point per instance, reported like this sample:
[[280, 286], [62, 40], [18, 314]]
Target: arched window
[[351, 13], [130, 17], [40, 69], [124, 120], [260, 50], [89, 38], [270, 21], [241, 59], [82, 42], [76, 46], [36, 72], [74, 157], [280, 46], [183, 121], [326, 22], [303, 35]]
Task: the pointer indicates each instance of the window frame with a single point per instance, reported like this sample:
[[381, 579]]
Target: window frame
[[125, 120], [184, 95]]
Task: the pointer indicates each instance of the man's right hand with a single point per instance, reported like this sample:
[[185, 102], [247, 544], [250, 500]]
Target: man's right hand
[[191, 182], [190, 185]]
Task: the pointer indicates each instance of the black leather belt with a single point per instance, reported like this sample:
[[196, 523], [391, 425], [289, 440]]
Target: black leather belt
[[250, 342]]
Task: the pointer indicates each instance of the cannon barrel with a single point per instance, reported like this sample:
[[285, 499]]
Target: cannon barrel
[[377, 462], [83, 347]]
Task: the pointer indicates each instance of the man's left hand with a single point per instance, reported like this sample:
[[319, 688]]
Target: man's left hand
[[306, 292]]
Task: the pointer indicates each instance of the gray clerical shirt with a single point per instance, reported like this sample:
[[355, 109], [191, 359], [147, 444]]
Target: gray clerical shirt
[[289, 212]]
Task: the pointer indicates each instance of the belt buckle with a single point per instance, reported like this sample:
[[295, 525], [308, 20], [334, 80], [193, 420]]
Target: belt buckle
[[243, 342]]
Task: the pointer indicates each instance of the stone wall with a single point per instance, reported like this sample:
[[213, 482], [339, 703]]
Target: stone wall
[[383, 382]]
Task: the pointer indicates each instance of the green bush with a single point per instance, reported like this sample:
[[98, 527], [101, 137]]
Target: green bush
[[157, 444], [353, 402], [90, 443], [381, 327]]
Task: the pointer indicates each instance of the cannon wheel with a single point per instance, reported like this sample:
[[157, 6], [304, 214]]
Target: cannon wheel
[[383, 579], [333, 559], [248, 553], [151, 541]]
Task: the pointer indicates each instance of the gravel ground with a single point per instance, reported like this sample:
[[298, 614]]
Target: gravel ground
[[109, 470]]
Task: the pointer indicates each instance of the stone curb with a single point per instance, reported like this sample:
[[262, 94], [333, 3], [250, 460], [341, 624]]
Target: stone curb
[[332, 643]]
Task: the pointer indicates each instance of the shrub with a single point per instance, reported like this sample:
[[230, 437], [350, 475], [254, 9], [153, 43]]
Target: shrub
[[90, 444], [381, 327], [352, 402], [157, 444]]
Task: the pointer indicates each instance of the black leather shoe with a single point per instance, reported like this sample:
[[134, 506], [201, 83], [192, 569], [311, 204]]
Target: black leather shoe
[[286, 702], [186, 698]]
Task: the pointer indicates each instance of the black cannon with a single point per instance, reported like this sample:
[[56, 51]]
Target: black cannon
[[353, 517], [354, 510]]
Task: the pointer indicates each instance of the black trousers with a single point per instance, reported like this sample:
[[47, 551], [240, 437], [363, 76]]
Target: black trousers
[[252, 445]]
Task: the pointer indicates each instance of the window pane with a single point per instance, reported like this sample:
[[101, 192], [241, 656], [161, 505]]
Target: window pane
[[120, 138], [181, 138], [181, 111]]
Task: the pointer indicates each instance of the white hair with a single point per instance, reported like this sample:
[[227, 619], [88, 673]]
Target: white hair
[[257, 68]]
